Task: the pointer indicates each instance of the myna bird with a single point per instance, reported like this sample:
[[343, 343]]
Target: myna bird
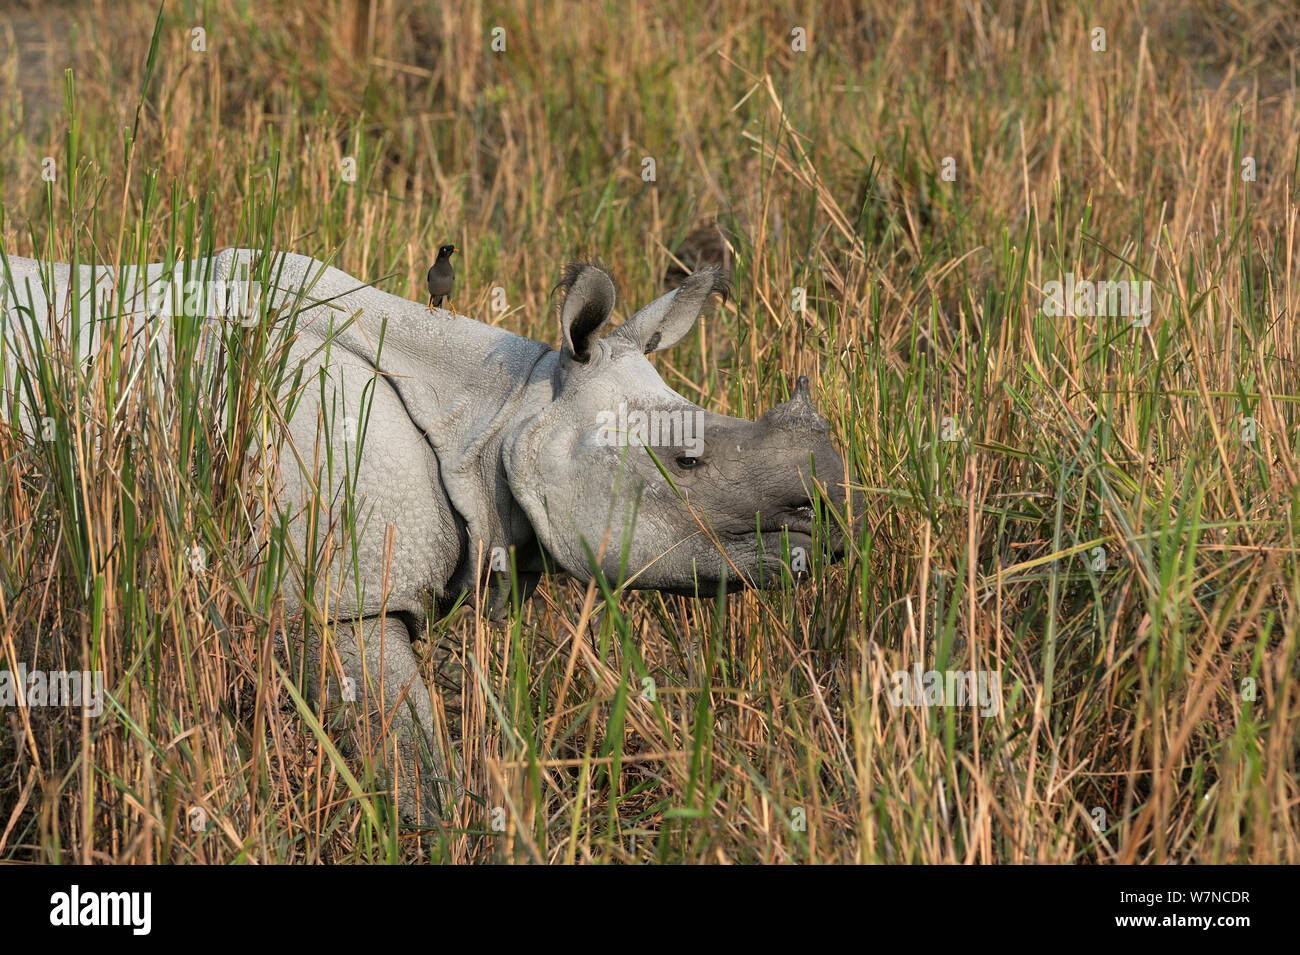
[[707, 245], [442, 277]]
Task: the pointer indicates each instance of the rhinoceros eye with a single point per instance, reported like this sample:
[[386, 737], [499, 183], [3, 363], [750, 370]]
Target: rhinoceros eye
[[686, 462]]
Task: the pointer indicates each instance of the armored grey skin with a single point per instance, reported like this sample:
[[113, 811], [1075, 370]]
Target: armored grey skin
[[482, 443]]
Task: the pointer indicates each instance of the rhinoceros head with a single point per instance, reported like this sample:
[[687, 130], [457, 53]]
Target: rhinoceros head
[[614, 464]]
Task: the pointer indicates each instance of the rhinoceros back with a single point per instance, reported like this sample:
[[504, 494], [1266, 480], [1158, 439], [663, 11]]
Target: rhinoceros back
[[349, 437]]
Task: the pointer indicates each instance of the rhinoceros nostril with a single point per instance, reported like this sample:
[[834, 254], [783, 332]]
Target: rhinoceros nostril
[[800, 517]]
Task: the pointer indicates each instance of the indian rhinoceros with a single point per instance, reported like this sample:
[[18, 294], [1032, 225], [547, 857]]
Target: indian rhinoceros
[[480, 443]]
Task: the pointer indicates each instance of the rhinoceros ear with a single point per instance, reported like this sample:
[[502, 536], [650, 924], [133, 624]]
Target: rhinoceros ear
[[588, 303], [664, 322]]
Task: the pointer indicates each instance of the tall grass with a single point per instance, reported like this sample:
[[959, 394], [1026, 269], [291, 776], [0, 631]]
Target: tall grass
[[1071, 501]]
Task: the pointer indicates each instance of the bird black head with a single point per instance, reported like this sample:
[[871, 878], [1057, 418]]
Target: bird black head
[[447, 251]]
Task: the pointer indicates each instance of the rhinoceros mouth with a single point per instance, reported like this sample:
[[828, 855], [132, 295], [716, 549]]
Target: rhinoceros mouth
[[802, 527], [774, 542]]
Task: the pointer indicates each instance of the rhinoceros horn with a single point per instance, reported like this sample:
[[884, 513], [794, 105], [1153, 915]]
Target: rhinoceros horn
[[799, 413]]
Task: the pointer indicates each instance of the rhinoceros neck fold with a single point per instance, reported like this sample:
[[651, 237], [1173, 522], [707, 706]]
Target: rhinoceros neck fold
[[461, 382]]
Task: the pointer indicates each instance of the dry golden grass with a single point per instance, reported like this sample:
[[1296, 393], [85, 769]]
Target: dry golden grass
[[772, 738]]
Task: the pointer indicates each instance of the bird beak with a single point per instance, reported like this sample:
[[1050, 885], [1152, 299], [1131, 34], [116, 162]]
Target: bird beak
[[454, 250]]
